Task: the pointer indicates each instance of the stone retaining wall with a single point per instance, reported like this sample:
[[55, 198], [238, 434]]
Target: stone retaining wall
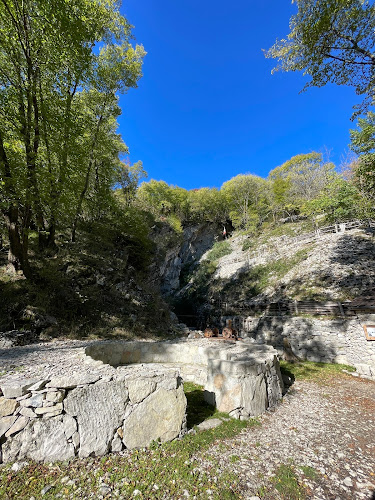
[[338, 340], [240, 378], [115, 405], [85, 414]]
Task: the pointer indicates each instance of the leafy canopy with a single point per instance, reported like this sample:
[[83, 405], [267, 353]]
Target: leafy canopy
[[332, 41]]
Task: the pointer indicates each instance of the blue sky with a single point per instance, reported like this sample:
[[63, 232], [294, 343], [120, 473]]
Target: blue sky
[[208, 108]]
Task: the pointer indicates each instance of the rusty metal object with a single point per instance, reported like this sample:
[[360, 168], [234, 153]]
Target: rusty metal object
[[227, 333], [208, 333]]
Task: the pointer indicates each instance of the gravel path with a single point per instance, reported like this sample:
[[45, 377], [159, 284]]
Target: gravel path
[[329, 428]]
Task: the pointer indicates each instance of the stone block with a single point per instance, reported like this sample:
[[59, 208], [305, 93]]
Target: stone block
[[99, 409], [159, 417], [7, 406]]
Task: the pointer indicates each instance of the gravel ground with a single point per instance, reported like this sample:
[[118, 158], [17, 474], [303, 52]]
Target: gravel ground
[[329, 428]]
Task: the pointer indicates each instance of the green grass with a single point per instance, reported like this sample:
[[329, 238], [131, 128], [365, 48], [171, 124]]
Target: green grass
[[315, 372], [309, 472], [287, 484], [172, 467], [220, 249]]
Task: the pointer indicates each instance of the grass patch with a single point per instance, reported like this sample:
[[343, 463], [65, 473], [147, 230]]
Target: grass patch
[[162, 471], [309, 472], [316, 372], [286, 483], [220, 249]]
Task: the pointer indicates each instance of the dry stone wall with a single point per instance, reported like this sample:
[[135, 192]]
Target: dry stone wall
[[87, 414]]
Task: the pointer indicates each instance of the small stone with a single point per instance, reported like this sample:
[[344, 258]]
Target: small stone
[[7, 406], [75, 440], [72, 381], [46, 489], [6, 423], [136, 493], [17, 466], [209, 424], [49, 409], [64, 479], [55, 396], [16, 388], [20, 424], [348, 481], [38, 385], [70, 425], [105, 490], [116, 444], [47, 404], [35, 401]]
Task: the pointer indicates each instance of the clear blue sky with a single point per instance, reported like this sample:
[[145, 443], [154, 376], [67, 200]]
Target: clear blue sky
[[208, 108]]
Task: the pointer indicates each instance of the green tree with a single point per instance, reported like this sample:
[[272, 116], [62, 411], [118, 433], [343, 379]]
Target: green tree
[[363, 143], [208, 205], [247, 197], [332, 41], [339, 201], [46, 63], [300, 180]]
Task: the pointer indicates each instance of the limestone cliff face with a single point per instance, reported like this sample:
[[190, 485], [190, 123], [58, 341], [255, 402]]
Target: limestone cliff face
[[175, 253]]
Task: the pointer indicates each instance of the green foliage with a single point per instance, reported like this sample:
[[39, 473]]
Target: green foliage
[[299, 181], [248, 200], [287, 484], [332, 42], [363, 143], [248, 244], [58, 101], [220, 249], [339, 201]]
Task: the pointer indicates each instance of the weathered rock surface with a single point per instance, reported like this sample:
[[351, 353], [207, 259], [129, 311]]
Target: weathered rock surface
[[7, 406], [41, 440], [99, 409], [159, 417]]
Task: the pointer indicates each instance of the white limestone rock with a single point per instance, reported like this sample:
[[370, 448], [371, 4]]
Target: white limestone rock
[[16, 388], [254, 395], [99, 409], [160, 416], [6, 423], [70, 382], [70, 425], [140, 389], [18, 425], [49, 409], [7, 406], [35, 401], [40, 440], [55, 396]]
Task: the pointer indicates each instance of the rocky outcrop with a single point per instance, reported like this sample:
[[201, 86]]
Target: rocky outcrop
[[184, 253]]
